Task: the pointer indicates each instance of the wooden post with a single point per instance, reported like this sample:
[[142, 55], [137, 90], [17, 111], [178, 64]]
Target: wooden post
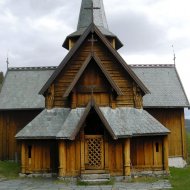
[[82, 151], [23, 158], [113, 43], [165, 153], [70, 44], [183, 135], [113, 101], [62, 158], [127, 160], [74, 100]]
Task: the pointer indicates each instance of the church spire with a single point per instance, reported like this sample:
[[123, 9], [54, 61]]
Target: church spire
[[92, 11]]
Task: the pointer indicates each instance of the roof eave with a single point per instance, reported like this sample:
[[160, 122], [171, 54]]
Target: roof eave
[[165, 107], [35, 138]]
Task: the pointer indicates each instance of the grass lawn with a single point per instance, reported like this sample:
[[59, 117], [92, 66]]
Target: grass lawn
[[180, 178], [9, 170]]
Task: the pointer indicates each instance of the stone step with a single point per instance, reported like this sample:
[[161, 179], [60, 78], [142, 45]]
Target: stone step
[[95, 181], [95, 177]]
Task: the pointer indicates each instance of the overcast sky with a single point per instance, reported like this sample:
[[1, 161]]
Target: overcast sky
[[32, 31]]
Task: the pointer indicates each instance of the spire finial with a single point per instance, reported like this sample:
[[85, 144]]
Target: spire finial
[[7, 60], [174, 59]]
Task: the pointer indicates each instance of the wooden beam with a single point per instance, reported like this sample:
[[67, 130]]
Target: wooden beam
[[106, 151], [82, 150], [74, 100], [23, 158], [127, 160], [165, 153], [62, 158]]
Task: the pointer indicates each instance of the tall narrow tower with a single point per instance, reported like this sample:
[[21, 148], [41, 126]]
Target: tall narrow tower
[[92, 11]]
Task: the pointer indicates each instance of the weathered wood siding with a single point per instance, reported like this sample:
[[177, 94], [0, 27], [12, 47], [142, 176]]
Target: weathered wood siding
[[147, 153], [11, 122], [111, 65], [173, 119], [41, 156]]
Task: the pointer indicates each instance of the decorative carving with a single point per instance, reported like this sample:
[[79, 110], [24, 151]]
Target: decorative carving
[[94, 148], [138, 101], [50, 97]]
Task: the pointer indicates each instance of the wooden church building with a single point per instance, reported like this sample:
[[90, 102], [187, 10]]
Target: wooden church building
[[93, 113]]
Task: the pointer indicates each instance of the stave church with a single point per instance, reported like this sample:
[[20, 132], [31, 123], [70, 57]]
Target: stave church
[[94, 113]]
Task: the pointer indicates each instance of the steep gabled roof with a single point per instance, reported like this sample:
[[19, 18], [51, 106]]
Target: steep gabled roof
[[21, 86], [92, 28], [91, 105], [164, 84], [82, 69]]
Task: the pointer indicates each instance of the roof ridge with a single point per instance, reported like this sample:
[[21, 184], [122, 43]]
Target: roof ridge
[[32, 68], [152, 65]]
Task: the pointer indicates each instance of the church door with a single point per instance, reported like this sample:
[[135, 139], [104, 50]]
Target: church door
[[94, 143], [94, 152]]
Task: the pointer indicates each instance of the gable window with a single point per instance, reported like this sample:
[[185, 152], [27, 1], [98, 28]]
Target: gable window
[[157, 147]]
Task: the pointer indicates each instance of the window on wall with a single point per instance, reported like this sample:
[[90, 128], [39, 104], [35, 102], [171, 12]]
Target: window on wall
[[157, 147], [29, 151]]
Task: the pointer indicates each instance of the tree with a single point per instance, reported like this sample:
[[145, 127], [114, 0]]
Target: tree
[[1, 79]]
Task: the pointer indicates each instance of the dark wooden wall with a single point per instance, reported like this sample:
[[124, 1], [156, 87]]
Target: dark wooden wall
[[173, 119], [11, 122]]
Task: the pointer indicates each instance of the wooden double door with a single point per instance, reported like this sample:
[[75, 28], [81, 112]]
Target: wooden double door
[[94, 152]]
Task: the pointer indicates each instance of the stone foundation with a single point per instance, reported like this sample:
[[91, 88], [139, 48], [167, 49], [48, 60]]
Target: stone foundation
[[177, 162]]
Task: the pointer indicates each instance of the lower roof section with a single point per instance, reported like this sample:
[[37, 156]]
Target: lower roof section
[[21, 86], [163, 81], [60, 123]]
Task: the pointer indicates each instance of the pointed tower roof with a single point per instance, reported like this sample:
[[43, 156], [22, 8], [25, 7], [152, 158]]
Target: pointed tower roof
[[92, 11], [93, 8]]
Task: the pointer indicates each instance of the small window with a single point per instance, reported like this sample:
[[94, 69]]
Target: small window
[[29, 151], [157, 147]]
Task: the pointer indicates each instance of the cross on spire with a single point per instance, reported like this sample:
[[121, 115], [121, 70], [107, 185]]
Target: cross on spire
[[92, 8]]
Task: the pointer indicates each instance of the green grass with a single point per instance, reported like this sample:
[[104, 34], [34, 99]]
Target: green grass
[[180, 178], [83, 183], [9, 170]]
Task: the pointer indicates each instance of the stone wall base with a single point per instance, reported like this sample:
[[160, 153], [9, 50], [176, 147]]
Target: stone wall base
[[177, 162]]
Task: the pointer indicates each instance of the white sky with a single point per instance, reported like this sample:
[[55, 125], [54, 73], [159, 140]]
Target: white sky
[[32, 31]]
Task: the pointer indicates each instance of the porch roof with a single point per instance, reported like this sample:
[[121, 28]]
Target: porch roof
[[63, 122]]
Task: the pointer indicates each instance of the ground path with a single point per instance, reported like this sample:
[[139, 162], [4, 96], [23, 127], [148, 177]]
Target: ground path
[[52, 184]]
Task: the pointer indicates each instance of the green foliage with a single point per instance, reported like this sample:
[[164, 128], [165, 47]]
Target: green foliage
[[188, 148], [1, 77], [187, 125], [83, 183], [180, 178], [9, 170]]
